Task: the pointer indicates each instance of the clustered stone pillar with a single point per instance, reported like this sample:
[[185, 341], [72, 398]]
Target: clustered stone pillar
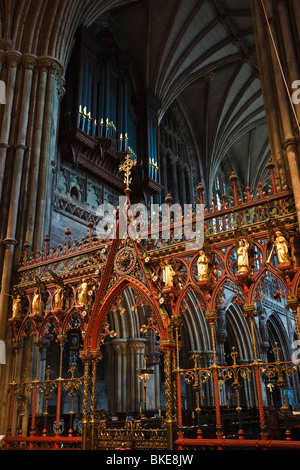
[[34, 87], [273, 27], [125, 357]]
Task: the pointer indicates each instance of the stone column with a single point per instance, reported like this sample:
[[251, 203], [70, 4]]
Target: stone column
[[52, 68], [131, 403], [140, 351], [37, 143], [58, 94], [20, 147], [153, 360], [280, 98], [289, 45], [12, 58], [119, 347], [295, 15], [136, 348], [266, 75], [127, 358], [22, 132]]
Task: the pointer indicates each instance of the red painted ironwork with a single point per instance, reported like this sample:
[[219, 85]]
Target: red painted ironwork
[[43, 442], [189, 444], [254, 216]]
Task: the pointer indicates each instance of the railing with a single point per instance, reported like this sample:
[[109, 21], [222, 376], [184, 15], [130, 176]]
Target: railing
[[276, 373], [43, 442], [196, 444], [135, 435], [89, 257], [242, 209], [45, 389]]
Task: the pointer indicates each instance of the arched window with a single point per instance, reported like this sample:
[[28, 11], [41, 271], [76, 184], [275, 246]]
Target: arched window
[[74, 192]]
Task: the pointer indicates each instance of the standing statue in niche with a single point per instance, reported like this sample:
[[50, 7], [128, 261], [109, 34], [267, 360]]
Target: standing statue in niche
[[82, 293], [59, 298], [202, 266], [243, 258], [16, 307], [168, 273], [36, 302], [281, 248]]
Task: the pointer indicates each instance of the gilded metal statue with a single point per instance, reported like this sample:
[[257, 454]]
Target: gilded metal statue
[[168, 273], [36, 302], [202, 266], [243, 258], [281, 248], [59, 298], [82, 293], [16, 307]]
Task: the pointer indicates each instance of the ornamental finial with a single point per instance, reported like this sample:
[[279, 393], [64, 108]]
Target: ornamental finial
[[126, 167]]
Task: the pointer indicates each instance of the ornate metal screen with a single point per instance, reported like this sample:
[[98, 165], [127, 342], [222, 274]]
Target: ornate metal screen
[[250, 237]]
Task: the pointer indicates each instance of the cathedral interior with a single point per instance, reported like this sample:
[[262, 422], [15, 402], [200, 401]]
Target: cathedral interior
[[150, 342]]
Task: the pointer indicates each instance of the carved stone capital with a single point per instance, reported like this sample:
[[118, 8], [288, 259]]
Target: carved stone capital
[[50, 65], [119, 345], [13, 58], [9, 241], [136, 345], [289, 142], [29, 61], [6, 44], [60, 86]]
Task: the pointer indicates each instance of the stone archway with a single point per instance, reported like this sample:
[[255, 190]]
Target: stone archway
[[124, 314]]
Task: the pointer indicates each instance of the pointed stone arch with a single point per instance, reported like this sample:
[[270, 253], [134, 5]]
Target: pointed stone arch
[[96, 324], [238, 328]]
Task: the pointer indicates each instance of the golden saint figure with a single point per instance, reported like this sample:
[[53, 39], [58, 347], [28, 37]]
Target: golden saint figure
[[36, 302], [168, 273], [202, 266], [281, 248], [242, 252], [58, 298], [16, 307], [82, 293]]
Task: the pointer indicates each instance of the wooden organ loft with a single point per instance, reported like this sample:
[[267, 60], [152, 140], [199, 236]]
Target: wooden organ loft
[[79, 297], [102, 120]]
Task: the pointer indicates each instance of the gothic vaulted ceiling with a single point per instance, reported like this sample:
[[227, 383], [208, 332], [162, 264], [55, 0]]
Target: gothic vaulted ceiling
[[197, 53]]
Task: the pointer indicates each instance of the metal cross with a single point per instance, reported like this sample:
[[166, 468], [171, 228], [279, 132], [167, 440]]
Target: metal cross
[[126, 167]]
